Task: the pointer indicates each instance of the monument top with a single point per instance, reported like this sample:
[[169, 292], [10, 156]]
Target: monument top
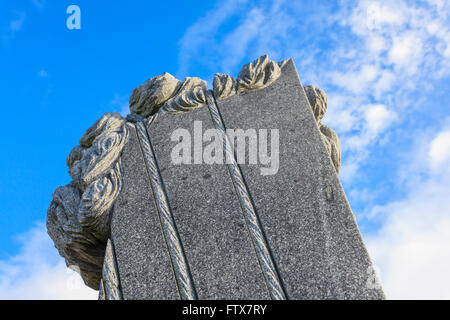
[[209, 194]]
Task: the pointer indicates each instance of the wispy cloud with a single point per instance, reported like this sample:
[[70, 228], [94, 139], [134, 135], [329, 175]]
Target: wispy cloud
[[238, 40], [37, 271], [412, 248], [382, 63], [366, 53], [201, 34]]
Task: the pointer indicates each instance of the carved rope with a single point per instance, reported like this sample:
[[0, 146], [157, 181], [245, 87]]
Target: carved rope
[[260, 245], [180, 267], [110, 284]]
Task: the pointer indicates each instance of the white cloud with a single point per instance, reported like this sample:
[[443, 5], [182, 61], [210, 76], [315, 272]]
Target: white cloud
[[378, 14], [378, 118], [439, 151], [380, 63], [38, 272], [238, 40], [393, 50], [407, 52], [39, 3], [412, 247]]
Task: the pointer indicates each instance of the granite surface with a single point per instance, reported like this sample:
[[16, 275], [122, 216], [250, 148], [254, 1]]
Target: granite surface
[[163, 230], [307, 223], [303, 209], [144, 267], [208, 217]]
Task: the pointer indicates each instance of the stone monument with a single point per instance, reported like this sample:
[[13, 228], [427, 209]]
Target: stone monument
[[229, 193]]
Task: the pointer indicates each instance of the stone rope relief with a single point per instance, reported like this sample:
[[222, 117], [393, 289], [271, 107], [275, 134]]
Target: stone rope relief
[[166, 94], [78, 218], [254, 228], [179, 264], [110, 283]]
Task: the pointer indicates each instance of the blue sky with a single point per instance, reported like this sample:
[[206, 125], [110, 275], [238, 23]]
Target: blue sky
[[385, 66]]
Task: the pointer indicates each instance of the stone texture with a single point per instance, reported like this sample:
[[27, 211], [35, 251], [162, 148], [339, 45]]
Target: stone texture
[[168, 95], [208, 217], [318, 101], [144, 266], [120, 197], [151, 95], [254, 75], [308, 222], [78, 218], [110, 288]]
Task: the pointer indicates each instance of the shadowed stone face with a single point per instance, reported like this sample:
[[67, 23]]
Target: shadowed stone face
[[318, 101], [78, 218], [148, 97]]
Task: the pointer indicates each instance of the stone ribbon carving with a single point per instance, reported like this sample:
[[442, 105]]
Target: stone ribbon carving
[[180, 266], [256, 75], [318, 101], [110, 283], [166, 94], [150, 96], [78, 218], [256, 235]]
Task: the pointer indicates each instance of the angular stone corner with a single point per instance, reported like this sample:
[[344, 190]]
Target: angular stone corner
[[140, 226]]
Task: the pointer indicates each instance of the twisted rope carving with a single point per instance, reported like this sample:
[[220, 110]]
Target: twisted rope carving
[[179, 264], [260, 245], [110, 284]]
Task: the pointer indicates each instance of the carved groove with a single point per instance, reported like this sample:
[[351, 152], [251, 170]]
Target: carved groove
[[179, 263], [260, 245], [101, 291], [110, 284]]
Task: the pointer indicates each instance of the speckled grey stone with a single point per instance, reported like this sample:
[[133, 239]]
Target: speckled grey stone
[[208, 217], [144, 267], [310, 228], [303, 209]]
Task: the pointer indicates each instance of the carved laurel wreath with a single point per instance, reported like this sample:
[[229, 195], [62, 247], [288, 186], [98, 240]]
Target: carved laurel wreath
[[78, 218]]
